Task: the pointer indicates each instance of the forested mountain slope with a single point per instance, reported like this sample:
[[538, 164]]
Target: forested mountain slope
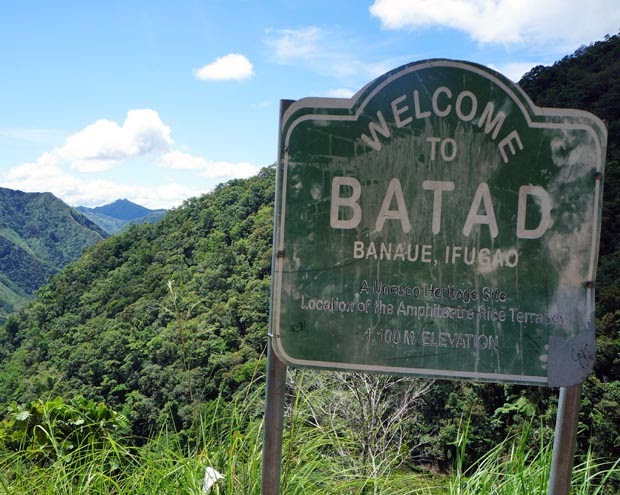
[[160, 319], [157, 320], [586, 80], [589, 80], [39, 235]]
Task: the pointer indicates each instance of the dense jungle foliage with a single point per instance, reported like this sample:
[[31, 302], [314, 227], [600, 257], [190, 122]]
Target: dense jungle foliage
[[157, 320], [39, 235], [589, 80], [161, 320]]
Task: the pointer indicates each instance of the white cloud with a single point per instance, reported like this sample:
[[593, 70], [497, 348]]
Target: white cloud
[[103, 144], [178, 160], [76, 191], [37, 175], [44, 175], [167, 195], [340, 93], [227, 170], [324, 51], [79, 172], [290, 44], [514, 70], [215, 170], [262, 104], [567, 22], [233, 66]]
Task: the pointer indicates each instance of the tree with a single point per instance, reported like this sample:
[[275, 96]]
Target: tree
[[369, 416]]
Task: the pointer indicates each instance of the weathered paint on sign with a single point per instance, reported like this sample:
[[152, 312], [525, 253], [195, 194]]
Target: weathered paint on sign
[[438, 224]]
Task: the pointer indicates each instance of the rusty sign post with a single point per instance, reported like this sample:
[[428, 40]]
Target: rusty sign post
[[438, 224]]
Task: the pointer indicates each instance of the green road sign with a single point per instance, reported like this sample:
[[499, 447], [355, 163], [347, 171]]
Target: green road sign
[[438, 223]]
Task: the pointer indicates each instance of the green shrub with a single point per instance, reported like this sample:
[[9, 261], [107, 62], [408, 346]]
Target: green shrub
[[46, 431]]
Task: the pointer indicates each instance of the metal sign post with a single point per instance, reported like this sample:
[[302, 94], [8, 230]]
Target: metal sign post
[[274, 420], [564, 441], [275, 393], [438, 224]]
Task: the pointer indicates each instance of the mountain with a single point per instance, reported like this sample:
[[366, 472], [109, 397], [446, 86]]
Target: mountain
[[162, 319], [117, 216], [586, 80], [123, 209], [39, 235], [589, 79], [157, 315]]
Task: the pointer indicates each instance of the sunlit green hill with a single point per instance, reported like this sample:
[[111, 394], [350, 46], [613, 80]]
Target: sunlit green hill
[[39, 235], [157, 319]]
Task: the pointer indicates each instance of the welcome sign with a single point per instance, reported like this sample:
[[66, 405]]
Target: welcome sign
[[439, 224]]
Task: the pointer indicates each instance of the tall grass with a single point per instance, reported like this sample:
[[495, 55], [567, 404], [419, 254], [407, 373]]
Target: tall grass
[[514, 467], [229, 438]]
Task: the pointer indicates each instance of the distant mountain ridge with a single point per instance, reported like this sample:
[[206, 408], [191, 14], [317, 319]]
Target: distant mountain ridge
[[124, 210], [39, 235], [116, 216]]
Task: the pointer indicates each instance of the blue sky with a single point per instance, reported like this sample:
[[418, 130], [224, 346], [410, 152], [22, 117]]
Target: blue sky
[[157, 101]]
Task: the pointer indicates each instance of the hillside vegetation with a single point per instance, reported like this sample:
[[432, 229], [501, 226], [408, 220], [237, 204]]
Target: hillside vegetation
[[157, 320], [164, 320], [590, 80], [39, 235]]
